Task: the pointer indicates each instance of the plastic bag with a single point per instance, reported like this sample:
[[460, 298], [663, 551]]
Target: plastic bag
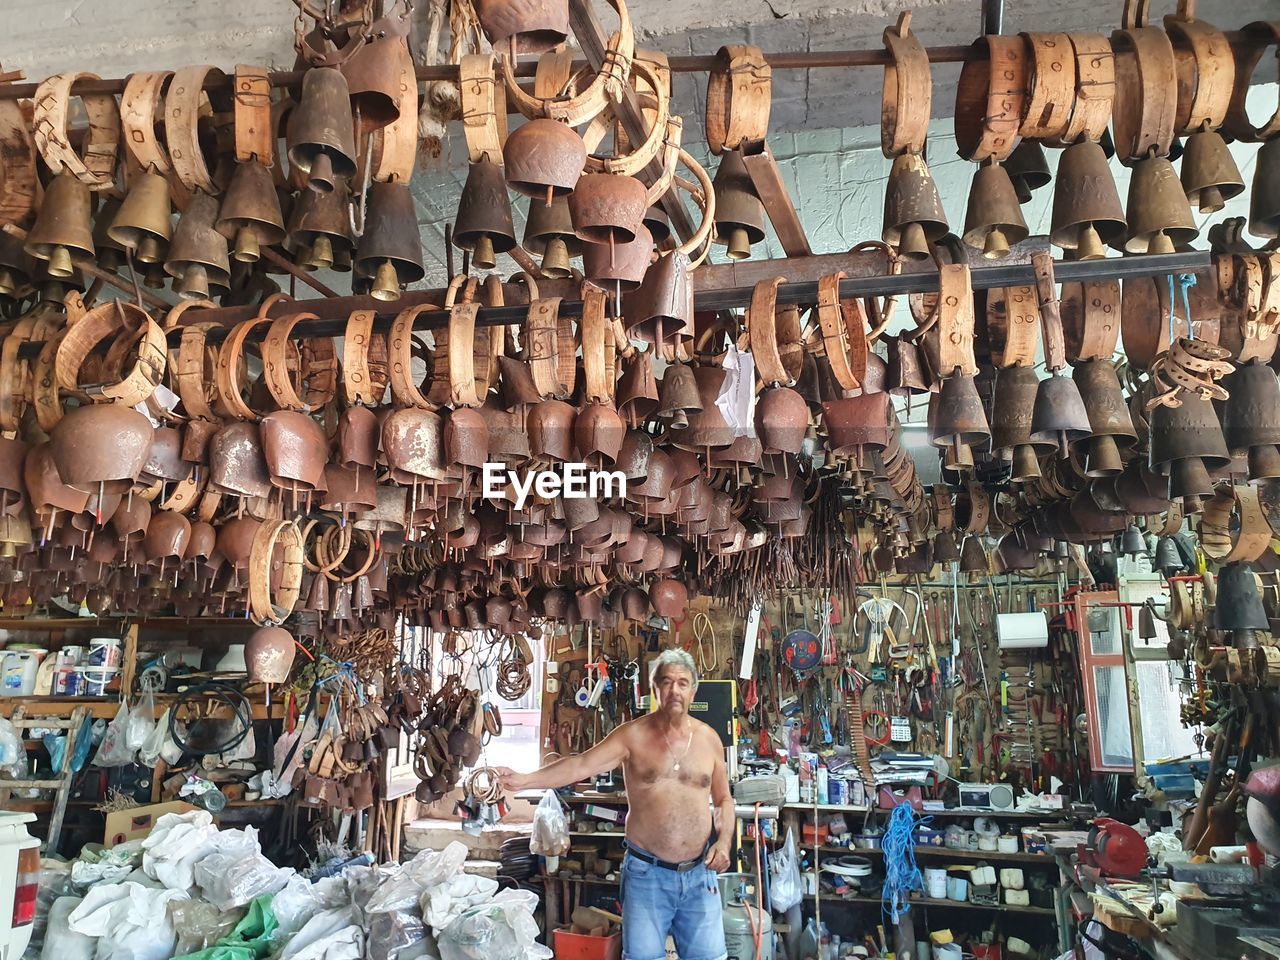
[[176, 844], [401, 889], [130, 920], [61, 942], [785, 886], [445, 902], [112, 865], [234, 879], [503, 928], [13, 756], [396, 935], [152, 748], [249, 940], [54, 883], [550, 836], [199, 925], [331, 935], [114, 751], [293, 906], [141, 723]]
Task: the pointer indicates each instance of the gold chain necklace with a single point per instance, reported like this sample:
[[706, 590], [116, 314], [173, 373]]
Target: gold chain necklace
[[676, 763]]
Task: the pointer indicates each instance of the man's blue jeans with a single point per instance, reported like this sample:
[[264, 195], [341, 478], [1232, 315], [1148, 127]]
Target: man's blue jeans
[[657, 902]]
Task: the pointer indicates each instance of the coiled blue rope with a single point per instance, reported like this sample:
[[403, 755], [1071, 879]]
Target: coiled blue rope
[[901, 875]]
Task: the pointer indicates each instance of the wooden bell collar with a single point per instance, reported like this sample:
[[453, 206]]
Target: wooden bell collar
[[484, 125], [908, 88], [1013, 326], [1206, 70], [141, 104], [1095, 69], [1145, 108], [255, 135], [1233, 527], [464, 363], [990, 98], [18, 185], [276, 556], [739, 95], [550, 349], [310, 367], [630, 163], [195, 368], [365, 367], [1259, 36], [1053, 86], [395, 147], [231, 365], [1091, 319], [185, 105], [774, 336], [599, 349], [96, 167], [844, 333], [401, 344], [108, 321]]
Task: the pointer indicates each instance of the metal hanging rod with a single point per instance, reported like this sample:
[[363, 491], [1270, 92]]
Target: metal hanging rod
[[801, 60]]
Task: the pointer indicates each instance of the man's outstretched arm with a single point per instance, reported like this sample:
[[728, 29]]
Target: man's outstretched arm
[[606, 755]]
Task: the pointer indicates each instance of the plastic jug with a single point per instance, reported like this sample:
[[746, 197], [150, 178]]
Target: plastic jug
[[18, 672]]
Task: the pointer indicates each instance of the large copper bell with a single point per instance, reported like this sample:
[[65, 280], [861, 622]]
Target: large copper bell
[[638, 389], [1158, 212], [1059, 417], [250, 214], [413, 443], [1108, 417], [621, 266], [1028, 169], [1210, 176], [993, 219], [535, 25], [739, 216], [142, 224], [101, 447], [548, 233], [62, 226], [598, 432], [484, 226], [913, 216], [236, 463], [1186, 443], [1015, 399], [960, 418], [1086, 207], [320, 228], [677, 395], [321, 130], [198, 253], [390, 249], [662, 308], [543, 159], [1251, 418], [373, 82], [607, 208], [295, 447], [1264, 198], [782, 419], [268, 655]]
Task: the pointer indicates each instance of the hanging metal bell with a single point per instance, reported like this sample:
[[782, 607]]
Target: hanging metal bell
[[1159, 215], [913, 216], [993, 220], [1188, 430], [16, 266], [1059, 417], [1015, 398], [143, 223], [198, 252], [373, 82], [906, 374], [1026, 465], [1210, 176], [657, 223], [620, 266], [960, 418], [109, 253], [973, 557], [1132, 543], [945, 549], [781, 420], [1238, 607], [62, 225], [678, 395], [390, 250], [250, 214], [484, 226], [548, 233], [638, 388], [661, 309], [536, 25], [739, 216], [321, 130], [1028, 169], [543, 159], [607, 208], [1109, 418], [1086, 206], [320, 228], [1168, 558], [1264, 198], [101, 446], [1251, 416]]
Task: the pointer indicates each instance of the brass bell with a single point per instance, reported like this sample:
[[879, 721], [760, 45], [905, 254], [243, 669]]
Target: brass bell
[[250, 214], [945, 549], [321, 130], [62, 225], [960, 418], [1086, 206], [484, 226], [607, 208], [143, 223], [1026, 466], [1264, 198], [198, 252], [535, 25], [109, 253], [1109, 418], [1059, 417], [1210, 176], [678, 395], [1158, 213], [15, 267], [320, 228], [739, 216], [1028, 169], [1015, 398], [993, 219], [913, 216], [543, 159], [390, 249], [1251, 417], [548, 233], [661, 309]]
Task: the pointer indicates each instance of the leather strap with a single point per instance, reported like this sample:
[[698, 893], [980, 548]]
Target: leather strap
[[185, 494], [96, 168], [739, 94], [184, 104], [1258, 37], [45, 398], [255, 133], [359, 384], [1050, 317], [100, 323], [1095, 87], [1053, 86], [195, 370], [1241, 541], [553, 73], [944, 515], [18, 184], [395, 148], [840, 335], [632, 162], [551, 349], [140, 106], [400, 344], [598, 348], [990, 99], [464, 391], [955, 321], [483, 124], [1258, 323], [1013, 331], [1090, 319], [979, 509], [265, 604], [908, 89], [1206, 70], [231, 366], [1146, 102], [313, 363], [774, 336]]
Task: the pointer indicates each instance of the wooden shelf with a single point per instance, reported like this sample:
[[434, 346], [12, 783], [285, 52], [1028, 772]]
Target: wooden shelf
[[940, 853], [944, 904], [953, 812]]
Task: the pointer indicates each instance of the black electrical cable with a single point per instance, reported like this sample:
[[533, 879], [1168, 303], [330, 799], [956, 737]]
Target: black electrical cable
[[214, 690]]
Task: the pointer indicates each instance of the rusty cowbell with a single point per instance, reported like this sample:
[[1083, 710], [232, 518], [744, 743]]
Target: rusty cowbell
[[959, 418], [321, 130], [484, 225], [390, 249], [1264, 198], [1251, 418], [320, 228], [994, 219], [1028, 169], [1086, 207], [548, 233], [1109, 418], [198, 252], [1015, 400], [250, 216], [739, 217], [543, 159], [913, 216], [1210, 176], [534, 26], [608, 209], [1059, 418]]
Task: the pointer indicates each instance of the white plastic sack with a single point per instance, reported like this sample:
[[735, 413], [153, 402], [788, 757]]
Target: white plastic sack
[[230, 880], [152, 748], [445, 902], [331, 935], [294, 904], [176, 844], [550, 836], [785, 886], [503, 928], [401, 890], [141, 723], [114, 751], [60, 941], [130, 920]]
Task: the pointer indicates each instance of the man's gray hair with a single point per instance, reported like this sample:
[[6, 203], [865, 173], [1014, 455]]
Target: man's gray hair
[[673, 657]]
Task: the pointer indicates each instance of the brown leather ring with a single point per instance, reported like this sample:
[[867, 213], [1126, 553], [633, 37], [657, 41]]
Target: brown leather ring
[[598, 348], [254, 132], [358, 388], [483, 124], [231, 361], [990, 97], [762, 333], [1053, 86], [1012, 331], [1206, 71], [836, 332], [184, 105], [18, 185], [400, 344], [267, 605], [97, 167], [908, 89], [1090, 319], [1095, 88], [140, 105], [1244, 541], [316, 366], [1258, 36], [739, 94], [109, 320], [1142, 117], [955, 321]]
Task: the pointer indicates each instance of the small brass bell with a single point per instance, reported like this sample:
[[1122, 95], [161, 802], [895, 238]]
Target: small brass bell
[[62, 225], [548, 233], [484, 226], [913, 216], [1026, 466], [1028, 169], [1264, 199], [739, 217], [15, 266], [321, 130], [250, 216], [993, 220], [1059, 417], [1158, 213], [198, 252], [320, 228], [390, 249], [143, 224], [1086, 206], [543, 159], [109, 253], [1210, 176]]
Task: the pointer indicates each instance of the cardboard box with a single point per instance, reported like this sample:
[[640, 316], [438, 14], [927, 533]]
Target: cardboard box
[[577, 946], [136, 823]]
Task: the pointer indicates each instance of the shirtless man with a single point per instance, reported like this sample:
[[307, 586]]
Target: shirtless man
[[675, 772]]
